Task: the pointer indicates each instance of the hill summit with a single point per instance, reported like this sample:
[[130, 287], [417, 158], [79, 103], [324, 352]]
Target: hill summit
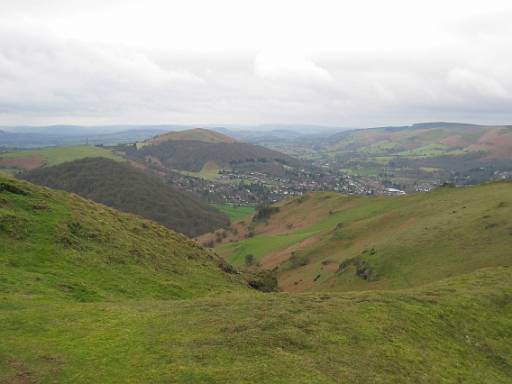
[[193, 150], [195, 134]]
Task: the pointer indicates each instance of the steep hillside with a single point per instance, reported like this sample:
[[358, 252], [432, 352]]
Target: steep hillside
[[60, 247], [92, 295], [121, 186], [328, 241], [197, 149]]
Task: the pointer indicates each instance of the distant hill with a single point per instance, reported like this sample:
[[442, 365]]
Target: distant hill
[[60, 135], [195, 149], [196, 134], [26, 160], [410, 157], [426, 140], [120, 186], [328, 241]]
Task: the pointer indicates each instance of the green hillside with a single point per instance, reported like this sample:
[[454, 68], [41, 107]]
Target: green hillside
[[36, 158], [57, 246], [92, 295], [123, 187], [329, 242]]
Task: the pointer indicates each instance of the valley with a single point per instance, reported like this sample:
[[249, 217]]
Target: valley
[[84, 286], [413, 158], [298, 271]]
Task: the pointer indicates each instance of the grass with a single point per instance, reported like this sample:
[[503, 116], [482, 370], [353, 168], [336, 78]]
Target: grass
[[209, 171], [235, 212], [91, 295], [454, 331], [416, 239], [57, 155], [59, 246]]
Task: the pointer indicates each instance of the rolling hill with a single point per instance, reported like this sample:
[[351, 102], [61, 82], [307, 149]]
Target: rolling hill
[[27, 160], [121, 186], [211, 151], [408, 156], [89, 294], [332, 242]]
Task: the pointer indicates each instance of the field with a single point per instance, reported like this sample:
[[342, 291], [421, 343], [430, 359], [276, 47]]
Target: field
[[330, 242], [454, 331], [235, 212], [32, 159]]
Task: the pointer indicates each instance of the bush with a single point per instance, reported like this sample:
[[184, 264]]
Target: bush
[[264, 212], [249, 259]]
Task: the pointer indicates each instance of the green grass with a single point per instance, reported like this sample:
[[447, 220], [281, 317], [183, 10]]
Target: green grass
[[429, 150], [235, 212], [416, 238], [454, 331], [91, 295], [58, 246], [57, 155]]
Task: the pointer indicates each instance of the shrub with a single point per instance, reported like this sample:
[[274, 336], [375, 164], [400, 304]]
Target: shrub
[[249, 259]]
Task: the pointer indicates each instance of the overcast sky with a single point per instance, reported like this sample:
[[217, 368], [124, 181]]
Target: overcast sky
[[341, 63]]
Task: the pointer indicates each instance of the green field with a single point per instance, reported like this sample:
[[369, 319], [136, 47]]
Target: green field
[[57, 155], [235, 212], [92, 295]]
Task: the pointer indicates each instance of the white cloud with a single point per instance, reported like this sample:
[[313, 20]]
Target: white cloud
[[289, 68], [350, 63]]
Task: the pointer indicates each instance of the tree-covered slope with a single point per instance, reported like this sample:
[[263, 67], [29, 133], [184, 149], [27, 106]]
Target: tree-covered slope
[[122, 187], [329, 241], [194, 149]]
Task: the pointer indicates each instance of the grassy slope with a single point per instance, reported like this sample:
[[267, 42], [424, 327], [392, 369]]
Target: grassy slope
[[416, 238], [57, 155], [59, 247], [456, 331], [86, 296]]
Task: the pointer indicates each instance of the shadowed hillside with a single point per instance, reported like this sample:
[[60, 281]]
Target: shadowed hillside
[[120, 186], [192, 150], [329, 241]]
